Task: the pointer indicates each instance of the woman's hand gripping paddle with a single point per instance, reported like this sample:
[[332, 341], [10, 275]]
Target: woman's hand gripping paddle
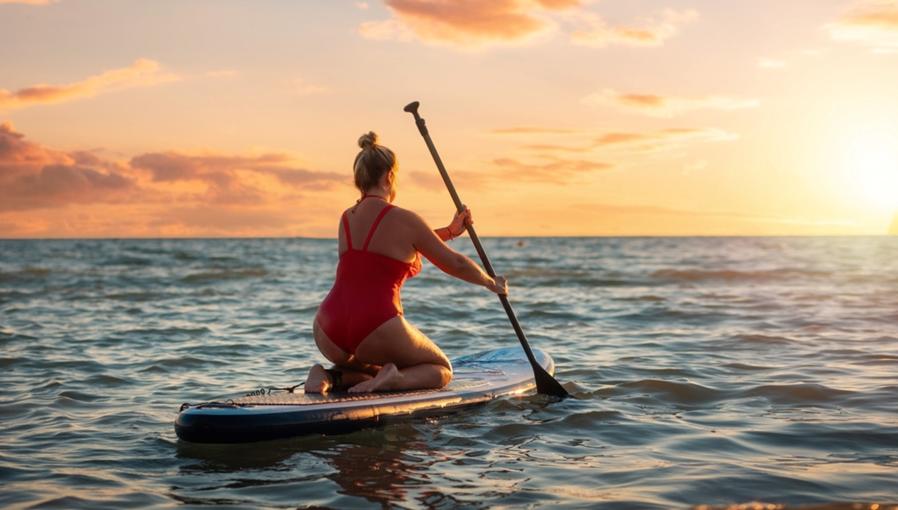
[[545, 383]]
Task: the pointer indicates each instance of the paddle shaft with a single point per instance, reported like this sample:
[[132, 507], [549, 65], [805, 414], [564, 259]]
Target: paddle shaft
[[544, 381]]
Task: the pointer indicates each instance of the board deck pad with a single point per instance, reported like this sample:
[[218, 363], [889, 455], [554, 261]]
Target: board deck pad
[[477, 378]]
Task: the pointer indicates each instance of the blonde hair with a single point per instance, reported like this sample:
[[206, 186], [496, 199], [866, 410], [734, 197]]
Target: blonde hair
[[372, 162]]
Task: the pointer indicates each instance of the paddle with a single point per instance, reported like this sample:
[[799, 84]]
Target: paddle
[[545, 383]]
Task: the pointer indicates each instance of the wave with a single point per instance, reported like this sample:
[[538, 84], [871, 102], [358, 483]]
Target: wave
[[746, 367], [224, 274], [846, 437], [6, 337], [590, 419], [763, 339], [179, 363], [881, 359], [78, 396], [11, 296], [130, 260], [135, 296], [731, 275], [683, 393], [546, 272], [666, 314], [9, 362], [28, 273], [804, 393], [168, 333], [553, 277]]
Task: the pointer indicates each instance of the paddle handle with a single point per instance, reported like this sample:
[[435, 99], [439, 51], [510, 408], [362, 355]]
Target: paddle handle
[[422, 128]]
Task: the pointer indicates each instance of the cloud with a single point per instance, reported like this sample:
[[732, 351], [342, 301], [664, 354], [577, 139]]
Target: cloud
[[28, 2], [651, 31], [466, 23], [173, 166], [640, 142], [142, 73], [230, 179], [666, 106], [427, 180], [873, 23], [556, 170], [308, 179], [33, 177], [476, 23], [532, 130], [665, 139]]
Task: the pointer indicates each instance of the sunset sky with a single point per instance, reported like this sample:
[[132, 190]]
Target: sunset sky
[[173, 118]]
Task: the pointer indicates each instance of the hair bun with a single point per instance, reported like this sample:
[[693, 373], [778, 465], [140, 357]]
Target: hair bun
[[368, 140]]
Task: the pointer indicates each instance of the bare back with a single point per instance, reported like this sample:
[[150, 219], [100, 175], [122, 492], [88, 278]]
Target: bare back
[[400, 235]]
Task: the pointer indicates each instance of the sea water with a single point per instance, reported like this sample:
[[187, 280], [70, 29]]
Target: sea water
[[704, 371]]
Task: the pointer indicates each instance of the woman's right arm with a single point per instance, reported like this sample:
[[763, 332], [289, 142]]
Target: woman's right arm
[[450, 261]]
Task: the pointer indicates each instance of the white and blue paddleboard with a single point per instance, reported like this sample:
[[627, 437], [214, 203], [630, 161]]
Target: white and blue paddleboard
[[478, 378]]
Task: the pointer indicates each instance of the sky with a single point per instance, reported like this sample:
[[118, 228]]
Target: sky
[[227, 118]]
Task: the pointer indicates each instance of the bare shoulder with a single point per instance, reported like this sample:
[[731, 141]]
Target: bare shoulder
[[410, 218]]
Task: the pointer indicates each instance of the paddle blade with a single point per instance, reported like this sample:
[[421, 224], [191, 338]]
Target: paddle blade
[[548, 385]]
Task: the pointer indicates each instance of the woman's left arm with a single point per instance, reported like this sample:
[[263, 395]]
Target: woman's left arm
[[457, 226]]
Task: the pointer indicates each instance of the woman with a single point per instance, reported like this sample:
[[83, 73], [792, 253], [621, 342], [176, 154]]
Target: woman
[[360, 327]]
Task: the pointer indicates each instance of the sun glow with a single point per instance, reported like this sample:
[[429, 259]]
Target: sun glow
[[870, 162]]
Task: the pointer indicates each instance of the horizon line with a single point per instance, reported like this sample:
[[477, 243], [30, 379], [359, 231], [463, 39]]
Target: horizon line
[[609, 236]]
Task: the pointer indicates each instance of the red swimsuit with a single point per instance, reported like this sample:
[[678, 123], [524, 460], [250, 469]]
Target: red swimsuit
[[366, 291]]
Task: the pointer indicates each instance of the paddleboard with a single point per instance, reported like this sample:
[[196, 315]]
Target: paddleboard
[[478, 378]]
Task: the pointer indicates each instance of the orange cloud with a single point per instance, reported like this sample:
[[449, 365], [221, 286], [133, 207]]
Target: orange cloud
[[652, 31], [665, 139], [528, 130], [141, 73], [33, 177], [666, 106], [873, 23], [651, 141], [464, 22], [36, 177], [556, 170], [476, 23], [232, 179]]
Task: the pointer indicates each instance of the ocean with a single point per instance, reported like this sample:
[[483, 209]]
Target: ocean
[[703, 371]]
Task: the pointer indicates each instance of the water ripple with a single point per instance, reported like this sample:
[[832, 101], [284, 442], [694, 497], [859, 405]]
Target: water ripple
[[704, 371]]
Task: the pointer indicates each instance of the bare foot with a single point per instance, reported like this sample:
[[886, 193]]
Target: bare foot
[[383, 381], [318, 380]]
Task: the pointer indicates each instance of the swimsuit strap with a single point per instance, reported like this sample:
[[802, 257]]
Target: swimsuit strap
[[346, 229], [380, 216]]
